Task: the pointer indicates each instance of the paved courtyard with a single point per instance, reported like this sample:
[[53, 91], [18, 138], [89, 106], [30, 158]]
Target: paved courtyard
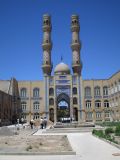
[[86, 146]]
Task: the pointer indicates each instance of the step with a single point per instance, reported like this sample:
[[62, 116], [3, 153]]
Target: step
[[70, 130], [77, 128]]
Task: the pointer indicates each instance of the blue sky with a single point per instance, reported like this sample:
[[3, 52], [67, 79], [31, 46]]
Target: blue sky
[[21, 36]]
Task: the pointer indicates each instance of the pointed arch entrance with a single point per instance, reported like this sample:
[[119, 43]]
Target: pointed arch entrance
[[51, 111], [63, 106]]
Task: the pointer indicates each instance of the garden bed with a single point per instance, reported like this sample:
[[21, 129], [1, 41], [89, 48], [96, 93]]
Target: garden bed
[[110, 134], [31, 144]]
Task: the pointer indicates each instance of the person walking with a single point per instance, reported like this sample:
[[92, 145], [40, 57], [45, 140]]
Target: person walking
[[41, 123], [31, 123], [45, 122]]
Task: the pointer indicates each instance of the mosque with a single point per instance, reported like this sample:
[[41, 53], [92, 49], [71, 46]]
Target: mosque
[[64, 95]]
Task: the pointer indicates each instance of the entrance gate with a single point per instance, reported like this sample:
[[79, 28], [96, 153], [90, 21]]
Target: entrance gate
[[63, 107]]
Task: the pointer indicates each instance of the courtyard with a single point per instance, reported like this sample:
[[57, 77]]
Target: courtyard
[[84, 144]]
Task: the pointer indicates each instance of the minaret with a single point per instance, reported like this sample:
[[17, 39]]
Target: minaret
[[76, 45], [47, 45]]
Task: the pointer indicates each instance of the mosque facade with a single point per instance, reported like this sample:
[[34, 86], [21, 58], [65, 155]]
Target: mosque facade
[[65, 95]]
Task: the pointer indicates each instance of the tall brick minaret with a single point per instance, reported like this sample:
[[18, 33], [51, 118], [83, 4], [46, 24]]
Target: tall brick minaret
[[47, 45], [76, 45]]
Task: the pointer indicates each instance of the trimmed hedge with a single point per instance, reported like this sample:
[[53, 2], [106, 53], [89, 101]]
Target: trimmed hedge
[[103, 135], [109, 131], [117, 130], [110, 124], [98, 133]]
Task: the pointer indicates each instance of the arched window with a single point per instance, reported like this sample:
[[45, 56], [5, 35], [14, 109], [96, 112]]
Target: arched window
[[23, 106], [74, 100], [97, 103], [97, 91], [47, 22], [23, 92], [88, 104], [74, 90], [87, 91], [23, 115], [36, 115], [105, 91], [51, 91], [106, 103], [36, 92], [51, 101], [98, 114], [36, 105]]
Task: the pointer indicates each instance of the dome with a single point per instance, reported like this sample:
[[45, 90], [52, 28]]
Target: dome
[[62, 68]]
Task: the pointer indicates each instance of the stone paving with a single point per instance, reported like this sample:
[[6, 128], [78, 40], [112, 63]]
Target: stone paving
[[87, 147]]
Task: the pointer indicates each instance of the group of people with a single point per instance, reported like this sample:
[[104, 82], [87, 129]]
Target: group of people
[[43, 123]]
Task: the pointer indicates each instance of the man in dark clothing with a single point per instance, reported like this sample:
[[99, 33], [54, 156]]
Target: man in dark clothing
[[31, 124]]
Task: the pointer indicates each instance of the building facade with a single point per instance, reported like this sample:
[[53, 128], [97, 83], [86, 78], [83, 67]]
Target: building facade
[[65, 94], [10, 108]]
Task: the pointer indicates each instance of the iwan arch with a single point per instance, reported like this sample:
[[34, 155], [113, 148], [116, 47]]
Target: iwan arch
[[65, 94]]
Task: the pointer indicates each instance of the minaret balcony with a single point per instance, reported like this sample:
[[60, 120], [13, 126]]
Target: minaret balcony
[[75, 28], [47, 46], [47, 28], [47, 64], [77, 67], [77, 64], [47, 68], [75, 46]]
